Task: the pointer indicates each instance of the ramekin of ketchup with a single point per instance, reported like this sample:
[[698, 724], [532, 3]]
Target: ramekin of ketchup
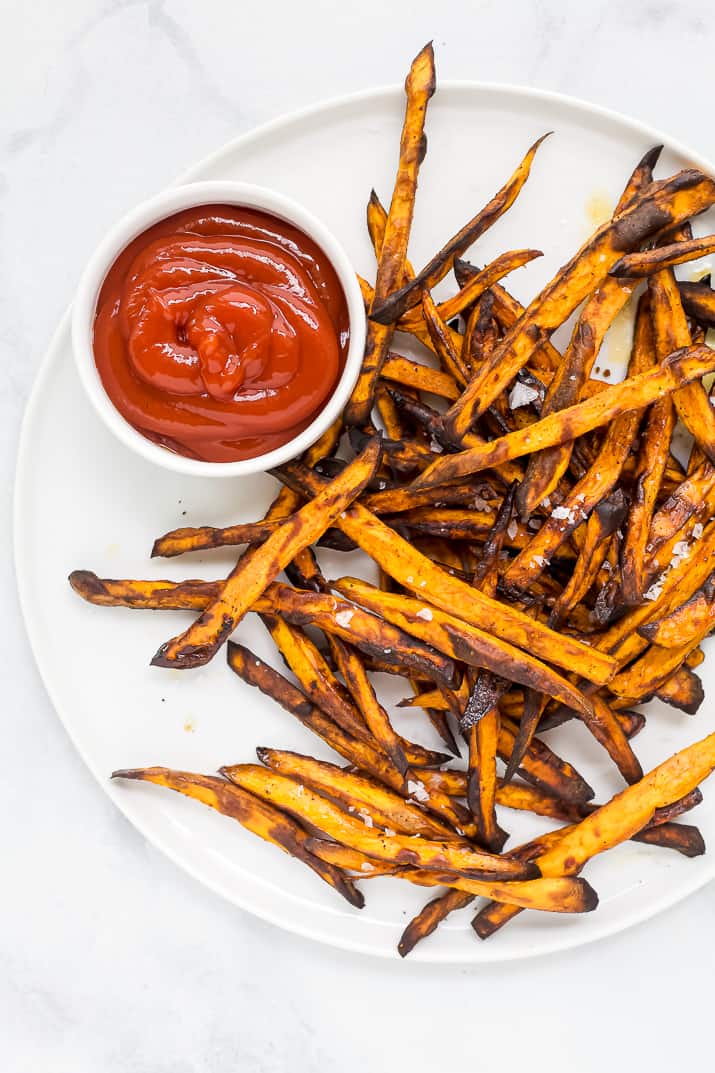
[[219, 329]]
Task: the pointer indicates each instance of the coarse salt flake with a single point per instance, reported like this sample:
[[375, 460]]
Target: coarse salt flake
[[522, 395], [424, 613], [417, 790], [512, 529], [343, 618], [367, 867], [697, 531], [654, 591], [366, 818], [561, 512]]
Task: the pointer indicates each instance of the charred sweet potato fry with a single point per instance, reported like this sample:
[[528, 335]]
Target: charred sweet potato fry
[[683, 690], [372, 635], [258, 816], [418, 574], [455, 637], [429, 918], [419, 87], [624, 816], [412, 374], [310, 807], [255, 571], [646, 262], [351, 667], [546, 469], [698, 302], [671, 331], [686, 622], [356, 790], [389, 310], [635, 393], [662, 204]]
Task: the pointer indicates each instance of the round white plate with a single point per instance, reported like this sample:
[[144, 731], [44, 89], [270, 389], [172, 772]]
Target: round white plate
[[84, 501]]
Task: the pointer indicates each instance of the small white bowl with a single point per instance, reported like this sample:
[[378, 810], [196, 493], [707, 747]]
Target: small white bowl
[[144, 216]]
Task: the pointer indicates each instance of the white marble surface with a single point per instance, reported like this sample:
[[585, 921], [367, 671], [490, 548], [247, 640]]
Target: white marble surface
[[110, 958]]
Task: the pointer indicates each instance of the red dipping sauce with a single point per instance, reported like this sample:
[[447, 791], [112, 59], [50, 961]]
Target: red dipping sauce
[[221, 332]]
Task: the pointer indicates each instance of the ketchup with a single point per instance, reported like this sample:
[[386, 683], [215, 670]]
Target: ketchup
[[221, 332]]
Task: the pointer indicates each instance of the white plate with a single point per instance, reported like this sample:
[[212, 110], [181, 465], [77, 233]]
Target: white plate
[[84, 501]]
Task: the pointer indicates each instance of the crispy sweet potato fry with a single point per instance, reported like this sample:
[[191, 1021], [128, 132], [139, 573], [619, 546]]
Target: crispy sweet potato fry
[[546, 469], [451, 856], [671, 330], [653, 455], [373, 636], [418, 574], [259, 817], [661, 204], [388, 311], [430, 917], [477, 285], [197, 645], [351, 788], [686, 622], [605, 519], [419, 87], [635, 393], [683, 690], [682, 504], [646, 262], [449, 356], [698, 302], [362, 754], [412, 374], [622, 818], [351, 667], [448, 634]]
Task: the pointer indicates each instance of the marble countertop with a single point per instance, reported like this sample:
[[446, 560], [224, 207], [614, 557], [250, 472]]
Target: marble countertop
[[111, 959]]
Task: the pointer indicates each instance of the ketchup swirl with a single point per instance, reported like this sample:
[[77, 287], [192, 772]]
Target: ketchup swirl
[[221, 332]]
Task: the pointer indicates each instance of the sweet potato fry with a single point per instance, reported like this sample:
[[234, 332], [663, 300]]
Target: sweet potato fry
[[255, 571], [259, 817], [652, 458], [673, 587], [681, 505], [456, 638], [698, 302], [451, 856], [393, 307], [506, 311], [683, 690], [682, 837], [546, 469], [686, 622], [635, 393], [646, 262], [373, 636], [430, 917], [671, 331], [449, 356], [419, 87], [351, 860], [662, 204], [351, 667], [412, 374], [477, 285], [622, 818], [629, 811], [362, 754], [605, 519], [355, 791], [418, 574]]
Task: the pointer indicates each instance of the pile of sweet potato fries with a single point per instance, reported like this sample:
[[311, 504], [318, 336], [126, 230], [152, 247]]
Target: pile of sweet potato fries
[[543, 556]]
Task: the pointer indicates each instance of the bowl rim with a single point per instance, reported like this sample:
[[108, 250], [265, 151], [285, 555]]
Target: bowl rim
[[151, 211]]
